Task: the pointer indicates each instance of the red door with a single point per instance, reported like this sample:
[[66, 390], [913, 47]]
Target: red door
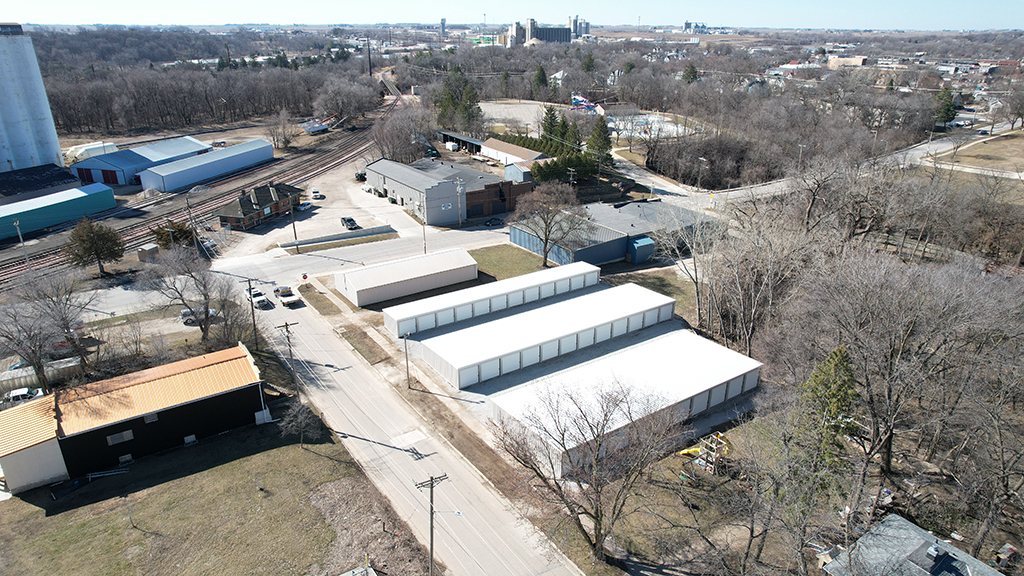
[[109, 177], [85, 175]]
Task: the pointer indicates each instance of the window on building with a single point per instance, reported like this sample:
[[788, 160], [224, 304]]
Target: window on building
[[149, 418], [120, 437]]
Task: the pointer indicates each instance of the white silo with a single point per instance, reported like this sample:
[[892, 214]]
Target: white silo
[[27, 135]]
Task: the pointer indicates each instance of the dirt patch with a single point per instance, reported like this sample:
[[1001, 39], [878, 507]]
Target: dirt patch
[[319, 301], [506, 261]]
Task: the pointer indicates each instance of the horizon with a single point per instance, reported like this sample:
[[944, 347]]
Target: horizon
[[872, 15]]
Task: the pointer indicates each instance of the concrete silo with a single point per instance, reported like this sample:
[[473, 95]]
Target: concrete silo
[[27, 135]]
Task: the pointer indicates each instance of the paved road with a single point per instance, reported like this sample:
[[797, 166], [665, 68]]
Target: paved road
[[476, 531]]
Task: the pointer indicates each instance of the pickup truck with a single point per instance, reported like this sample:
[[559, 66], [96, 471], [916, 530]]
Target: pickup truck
[[287, 297]]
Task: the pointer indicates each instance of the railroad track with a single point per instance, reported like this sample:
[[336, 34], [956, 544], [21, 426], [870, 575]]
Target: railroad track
[[295, 170]]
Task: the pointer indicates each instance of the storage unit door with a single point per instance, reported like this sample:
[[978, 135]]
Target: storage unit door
[[586, 338], [109, 176], [515, 298], [464, 312], [468, 376], [547, 290], [532, 294], [446, 316], [651, 317], [426, 322], [481, 307], [717, 395], [735, 387], [498, 303], [700, 403], [593, 277], [567, 344], [549, 350], [531, 356], [407, 326], [490, 369], [577, 282], [619, 327], [510, 363], [562, 286], [636, 322], [603, 332]]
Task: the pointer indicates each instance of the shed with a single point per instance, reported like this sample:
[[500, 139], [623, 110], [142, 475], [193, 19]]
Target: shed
[[148, 252], [480, 300], [461, 141], [124, 166], [68, 205], [639, 250], [101, 425], [397, 278], [684, 375], [507, 153], [181, 174], [486, 351]]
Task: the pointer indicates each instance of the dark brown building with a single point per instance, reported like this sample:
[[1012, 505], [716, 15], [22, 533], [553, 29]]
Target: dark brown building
[[261, 204]]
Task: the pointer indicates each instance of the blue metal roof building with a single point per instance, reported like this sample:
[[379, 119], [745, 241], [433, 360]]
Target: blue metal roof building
[[38, 213], [124, 166]]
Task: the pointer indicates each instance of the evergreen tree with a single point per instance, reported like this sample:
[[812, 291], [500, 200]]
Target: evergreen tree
[[90, 242], [540, 83], [891, 86], [572, 136], [549, 124], [563, 129], [691, 74], [599, 146], [945, 112], [828, 399], [588, 62]]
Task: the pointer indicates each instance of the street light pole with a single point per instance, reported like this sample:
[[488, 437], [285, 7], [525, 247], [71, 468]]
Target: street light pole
[[23, 247]]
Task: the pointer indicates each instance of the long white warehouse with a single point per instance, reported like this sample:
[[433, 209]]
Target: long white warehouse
[[678, 375], [486, 351], [479, 300], [186, 173], [387, 280]]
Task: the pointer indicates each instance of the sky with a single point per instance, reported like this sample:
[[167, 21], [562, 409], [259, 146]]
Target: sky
[[861, 14]]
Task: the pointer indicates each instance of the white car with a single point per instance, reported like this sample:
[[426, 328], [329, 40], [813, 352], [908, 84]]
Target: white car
[[21, 395], [304, 206], [262, 302], [315, 194]]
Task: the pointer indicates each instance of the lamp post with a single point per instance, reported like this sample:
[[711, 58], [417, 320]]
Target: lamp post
[[800, 156], [23, 247], [434, 481]]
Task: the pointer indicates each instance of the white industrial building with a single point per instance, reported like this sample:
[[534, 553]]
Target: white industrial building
[[487, 298], [380, 282], [485, 351], [679, 374], [186, 173], [507, 153], [28, 137], [124, 166]]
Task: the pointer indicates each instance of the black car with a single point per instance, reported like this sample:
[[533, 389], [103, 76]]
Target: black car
[[494, 222], [349, 223]]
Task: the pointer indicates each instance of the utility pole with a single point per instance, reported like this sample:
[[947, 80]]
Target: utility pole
[[22, 240], [458, 197], [434, 481], [572, 177], [291, 358], [294, 233], [252, 308], [408, 381], [195, 234], [800, 157]]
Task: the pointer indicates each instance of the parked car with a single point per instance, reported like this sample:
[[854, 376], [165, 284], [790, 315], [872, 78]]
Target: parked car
[[366, 188], [21, 395], [251, 293], [315, 194], [304, 206], [287, 297], [360, 175], [349, 223], [494, 222], [189, 320], [262, 302]]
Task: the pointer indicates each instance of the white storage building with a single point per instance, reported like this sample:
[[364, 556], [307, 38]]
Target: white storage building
[[124, 166], [380, 282], [685, 375], [186, 173], [479, 300], [486, 351]]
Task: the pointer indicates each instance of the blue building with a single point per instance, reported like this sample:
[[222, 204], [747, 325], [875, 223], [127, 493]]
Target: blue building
[[37, 214], [615, 232], [124, 166]]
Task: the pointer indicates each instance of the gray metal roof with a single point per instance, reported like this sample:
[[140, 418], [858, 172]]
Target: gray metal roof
[[138, 159], [192, 162], [462, 137], [639, 218], [898, 547], [407, 175], [508, 148], [395, 271], [473, 179]]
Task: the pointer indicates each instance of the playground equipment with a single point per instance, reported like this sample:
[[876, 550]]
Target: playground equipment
[[710, 452]]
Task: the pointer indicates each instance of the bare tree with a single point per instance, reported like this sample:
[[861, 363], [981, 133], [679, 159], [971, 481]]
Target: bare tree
[[553, 215], [302, 420], [187, 281], [27, 334], [400, 135], [342, 98], [60, 300], [280, 130], [588, 453], [690, 245]]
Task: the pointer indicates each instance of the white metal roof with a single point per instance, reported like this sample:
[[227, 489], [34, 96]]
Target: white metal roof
[[193, 161], [504, 336], [485, 291], [407, 268], [670, 368]]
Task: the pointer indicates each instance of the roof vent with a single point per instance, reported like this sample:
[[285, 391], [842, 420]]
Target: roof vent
[[933, 552]]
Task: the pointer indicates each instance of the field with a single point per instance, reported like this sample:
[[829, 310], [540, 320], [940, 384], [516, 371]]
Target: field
[[506, 261], [1001, 153], [244, 502]]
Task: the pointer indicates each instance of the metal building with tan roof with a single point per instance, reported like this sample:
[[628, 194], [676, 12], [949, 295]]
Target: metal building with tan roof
[[104, 424]]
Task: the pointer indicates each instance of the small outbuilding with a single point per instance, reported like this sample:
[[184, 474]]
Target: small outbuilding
[[182, 174], [102, 425], [124, 166], [398, 278], [461, 141], [507, 153], [478, 353]]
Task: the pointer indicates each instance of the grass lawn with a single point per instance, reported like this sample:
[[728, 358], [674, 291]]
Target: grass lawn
[[506, 261], [322, 303], [1002, 153], [245, 502], [663, 281], [1013, 187]]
